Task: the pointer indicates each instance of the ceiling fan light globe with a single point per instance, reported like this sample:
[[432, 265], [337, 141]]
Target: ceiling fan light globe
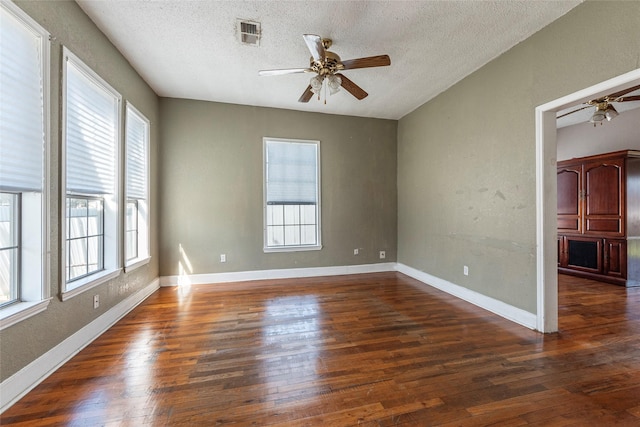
[[598, 116], [334, 83], [316, 84], [610, 113]]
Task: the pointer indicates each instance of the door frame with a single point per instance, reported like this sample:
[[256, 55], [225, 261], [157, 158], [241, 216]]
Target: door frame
[[546, 193]]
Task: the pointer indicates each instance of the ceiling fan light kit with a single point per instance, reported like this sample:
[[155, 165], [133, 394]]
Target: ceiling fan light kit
[[604, 107], [327, 65]]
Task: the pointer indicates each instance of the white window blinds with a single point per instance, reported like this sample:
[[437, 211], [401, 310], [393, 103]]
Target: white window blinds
[[22, 121], [137, 146], [291, 173], [91, 132]]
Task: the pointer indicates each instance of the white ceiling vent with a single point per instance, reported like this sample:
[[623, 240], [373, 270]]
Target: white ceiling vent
[[249, 32]]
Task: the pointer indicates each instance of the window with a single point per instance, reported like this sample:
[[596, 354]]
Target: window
[[24, 138], [91, 140], [292, 195], [137, 189]]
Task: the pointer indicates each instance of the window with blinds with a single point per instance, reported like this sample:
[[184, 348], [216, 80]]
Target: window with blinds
[[291, 195], [137, 187], [24, 87], [91, 111]]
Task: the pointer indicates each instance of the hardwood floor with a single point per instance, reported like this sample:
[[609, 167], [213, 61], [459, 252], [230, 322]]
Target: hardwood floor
[[366, 350]]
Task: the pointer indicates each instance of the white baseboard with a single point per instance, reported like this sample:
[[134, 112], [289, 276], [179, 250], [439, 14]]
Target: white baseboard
[[288, 273], [23, 381], [495, 306]]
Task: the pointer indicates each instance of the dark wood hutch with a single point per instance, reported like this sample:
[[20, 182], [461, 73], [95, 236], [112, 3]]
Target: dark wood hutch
[[599, 217]]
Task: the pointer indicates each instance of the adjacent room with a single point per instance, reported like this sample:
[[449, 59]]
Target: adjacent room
[[330, 213]]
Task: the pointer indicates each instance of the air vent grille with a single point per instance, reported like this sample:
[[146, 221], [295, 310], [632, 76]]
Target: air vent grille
[[249, 32]]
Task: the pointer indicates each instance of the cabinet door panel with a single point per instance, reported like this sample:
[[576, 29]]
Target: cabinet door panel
[[615, 255], [604, 197], [569, 198]]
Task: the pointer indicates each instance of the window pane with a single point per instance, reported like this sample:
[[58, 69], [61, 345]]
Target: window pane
[[77, 211], [291, 235], [94, 251], [292, 214], [308, 235], [77, 256], [94, 220], [8, 275], [275, 236], [131, 249], [275, 214], [8, 247], [8, 220], [308, 214]]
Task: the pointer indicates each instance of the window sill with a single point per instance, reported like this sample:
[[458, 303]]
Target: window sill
[[20, 311], [87, 283], [138, 262], [293, 248]]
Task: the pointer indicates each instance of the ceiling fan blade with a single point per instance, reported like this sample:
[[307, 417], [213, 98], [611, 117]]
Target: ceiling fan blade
[[314, 43], [351, 87], [306, 95], [622, 92], [627, 98], [370, 61], [284, 71], [574, 111]]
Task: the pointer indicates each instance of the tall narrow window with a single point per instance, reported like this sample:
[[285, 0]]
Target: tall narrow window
[[137, 188], [292, 195], [24, 87], [91, 129]]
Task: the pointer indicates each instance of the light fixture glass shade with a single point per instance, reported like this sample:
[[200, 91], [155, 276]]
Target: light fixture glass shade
[[316, 84], [334, 83], [598, 116], [610, 112]]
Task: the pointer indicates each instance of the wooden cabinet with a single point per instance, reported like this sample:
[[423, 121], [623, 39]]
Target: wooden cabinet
[[593, 215]]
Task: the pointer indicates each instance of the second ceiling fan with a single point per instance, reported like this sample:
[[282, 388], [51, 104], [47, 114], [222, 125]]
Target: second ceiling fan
[[604, 107], [327, 66]]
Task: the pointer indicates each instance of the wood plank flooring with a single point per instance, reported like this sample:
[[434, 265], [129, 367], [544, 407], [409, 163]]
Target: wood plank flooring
[[365, 350]]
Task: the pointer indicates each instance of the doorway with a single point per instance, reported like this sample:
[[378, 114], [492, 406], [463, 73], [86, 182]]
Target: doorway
[[546, 193]]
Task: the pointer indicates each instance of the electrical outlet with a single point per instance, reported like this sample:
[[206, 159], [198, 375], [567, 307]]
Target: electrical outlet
[[356, 251], [465, 270], [383, 254], [96, 301], [223, 257]]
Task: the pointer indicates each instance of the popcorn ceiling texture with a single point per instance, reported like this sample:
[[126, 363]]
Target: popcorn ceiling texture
[[192, 50]]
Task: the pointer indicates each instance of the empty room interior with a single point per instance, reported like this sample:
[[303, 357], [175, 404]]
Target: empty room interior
[[332, 213]]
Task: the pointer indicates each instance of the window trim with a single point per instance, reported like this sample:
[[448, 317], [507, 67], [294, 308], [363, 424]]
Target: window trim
[[112, 221], [37, 298], [299, 248], [144, 255]]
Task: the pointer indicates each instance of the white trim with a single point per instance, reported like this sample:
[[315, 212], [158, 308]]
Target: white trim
[[495, 306], [23, 381], [288, 273], [546, 263], [138, 262]]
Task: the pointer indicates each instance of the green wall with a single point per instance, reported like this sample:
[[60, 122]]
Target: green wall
[[27, 340], [466, 159], [212, 187]]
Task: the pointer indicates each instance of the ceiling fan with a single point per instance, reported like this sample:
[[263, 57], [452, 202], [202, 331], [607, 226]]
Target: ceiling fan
[[326, 66], [604, 107]]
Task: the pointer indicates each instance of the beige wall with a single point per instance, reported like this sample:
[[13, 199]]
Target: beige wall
[[212, 187], [24, 342], [466, 160]]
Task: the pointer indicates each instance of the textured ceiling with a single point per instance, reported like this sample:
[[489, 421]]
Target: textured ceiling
[[191, 49]]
